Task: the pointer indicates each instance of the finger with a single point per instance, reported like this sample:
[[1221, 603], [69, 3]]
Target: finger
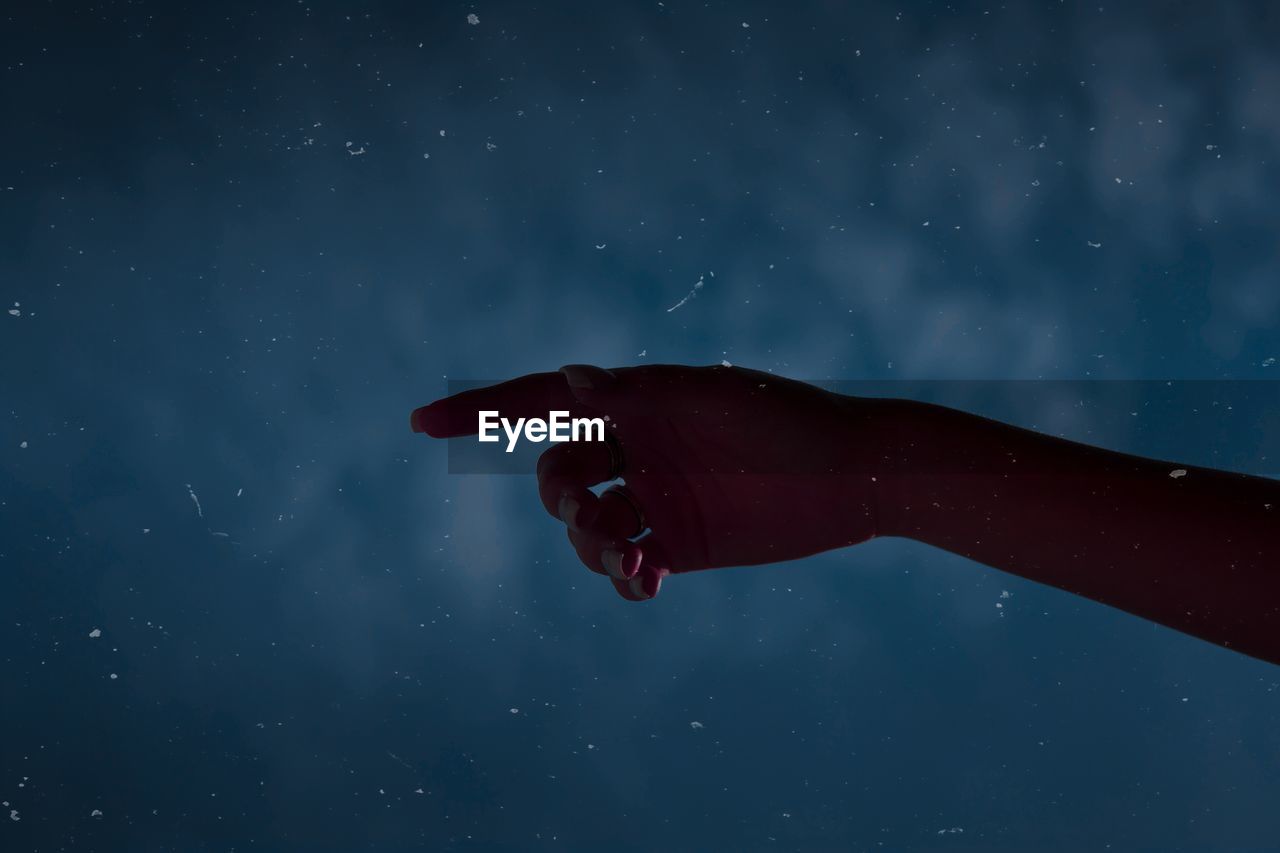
[[532, 396], [605, 555], [656, 565], [643, 578], [648, 581], [564, 474], [624, 590], [622, 564], [604, 544], [644, 586]]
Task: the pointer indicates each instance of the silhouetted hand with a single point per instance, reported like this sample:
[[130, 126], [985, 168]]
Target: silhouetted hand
[[729, 467], [722, 466]]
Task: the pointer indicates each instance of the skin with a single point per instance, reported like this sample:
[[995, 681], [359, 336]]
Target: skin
[[725, 466]]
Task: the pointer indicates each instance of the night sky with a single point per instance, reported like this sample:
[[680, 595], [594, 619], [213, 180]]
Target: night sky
[[242, 607]]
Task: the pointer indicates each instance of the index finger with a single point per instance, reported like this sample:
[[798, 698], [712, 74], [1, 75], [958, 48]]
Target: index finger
[[531, 396]]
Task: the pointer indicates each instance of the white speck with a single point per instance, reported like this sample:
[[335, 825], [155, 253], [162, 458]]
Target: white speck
[[14, 312], [1268, 362], [695, 725], [13, 814], [96, 813], [1117, 180], [642, 353], [239, 491], [692, 293], [1210, 147], [952, 831], [1092, 244], [418, 790], [725, 363], [925, 224], [355, 152], [442, 133], [1186, 698], [146, 530], [601, 245], [426, 156], [1004, 593], [489, 146], [95, 633], [474, 19], [514, 710], [1178, 472], [220, 533], [591, 746], [195, 500], [114, 676], [745, 25], [23, 445]]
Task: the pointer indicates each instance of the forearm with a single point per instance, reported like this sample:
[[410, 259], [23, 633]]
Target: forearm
[[1197, 551]]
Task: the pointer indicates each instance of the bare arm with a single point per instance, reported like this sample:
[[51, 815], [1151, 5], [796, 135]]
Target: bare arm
[[731, 467], [1195, 549]]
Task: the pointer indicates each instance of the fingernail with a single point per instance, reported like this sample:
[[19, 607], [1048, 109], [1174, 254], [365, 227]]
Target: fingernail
[[569, 510], [612, 562], [637, 588], [416, 420]]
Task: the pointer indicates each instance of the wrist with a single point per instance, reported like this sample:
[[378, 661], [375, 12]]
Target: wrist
[[906, 445]]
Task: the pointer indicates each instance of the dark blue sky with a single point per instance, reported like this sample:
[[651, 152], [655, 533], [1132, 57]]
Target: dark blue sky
[[239, 243]]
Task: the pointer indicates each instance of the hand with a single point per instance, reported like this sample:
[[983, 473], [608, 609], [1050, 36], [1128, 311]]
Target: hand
[[722, 466]]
